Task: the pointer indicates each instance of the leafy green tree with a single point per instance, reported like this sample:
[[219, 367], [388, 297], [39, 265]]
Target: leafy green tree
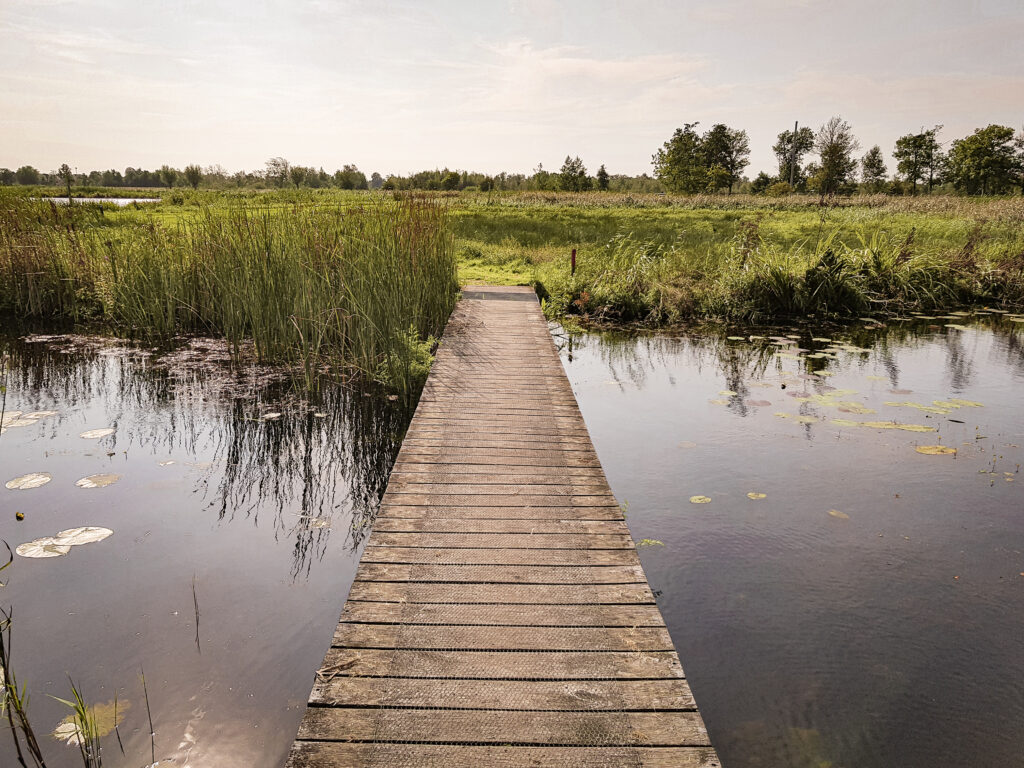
[[27, 175], [602, 178], [168, 175], [450, 180], [872, 170], [65, 175], [572, 177], [761, 183], [6, 177], [193, 175], [835, 144], [986, 162], [297, 174], [277, 171], [919, 157], [790, 148], [726, 154], [681, 163], [376, 180]]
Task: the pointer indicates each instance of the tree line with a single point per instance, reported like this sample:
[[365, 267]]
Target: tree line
[[989, 161]]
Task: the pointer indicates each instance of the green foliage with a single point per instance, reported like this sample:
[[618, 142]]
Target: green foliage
[[835, 144], [315, 286], [872, 170], [987, 162], [790, 149], [602, 179], [689, 162], [193, 175], [573, 176], [919, 157]]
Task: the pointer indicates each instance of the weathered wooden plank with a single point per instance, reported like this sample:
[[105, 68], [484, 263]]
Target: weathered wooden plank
[[503, 665], [453, 614], [502, 540], [521, 501], [578, 695], [590, 512], [475, 525], [504, 593], [500, 574], [332, 754], [467, 556], [492, 638], [475, 726], [396, 488]]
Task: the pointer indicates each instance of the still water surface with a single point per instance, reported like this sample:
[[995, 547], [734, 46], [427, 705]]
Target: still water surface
[[887, 632], [263, 518]]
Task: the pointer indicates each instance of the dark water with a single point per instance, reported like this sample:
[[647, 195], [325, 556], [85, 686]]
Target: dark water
[[893, 636], [264, 518]]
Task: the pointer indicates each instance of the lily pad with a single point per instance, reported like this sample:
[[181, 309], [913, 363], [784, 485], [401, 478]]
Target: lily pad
[[966, 403], [22, 422], [96, 434], [271, 416], [105, 716], [759, 403], [98, 481], [935, 450], [86, 534], [736, 338], [754, 495], [700, 499], [838, 515], [10, 416], [727, 392], [47, 546], [27, 482], [40, 414]]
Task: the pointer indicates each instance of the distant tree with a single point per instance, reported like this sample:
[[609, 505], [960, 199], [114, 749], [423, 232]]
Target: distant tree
[[835, 144], [541, 179], [986, 162], [376, 181], [111, 178], [680, 163], [726, 154], [450, 180], [919, 157], [297, 174], [602, 178], [7, 177], [168, 175], [572, 177], [872, 170], [790, 148], [193, 175], [277, 171], [65, 175], [486, 184], [27, 175], [761, 183]]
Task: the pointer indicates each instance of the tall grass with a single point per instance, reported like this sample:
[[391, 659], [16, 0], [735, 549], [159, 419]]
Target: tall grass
[[636, 280], [362, 287]]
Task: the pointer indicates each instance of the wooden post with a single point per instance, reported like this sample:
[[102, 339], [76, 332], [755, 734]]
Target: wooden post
[[573, 262]]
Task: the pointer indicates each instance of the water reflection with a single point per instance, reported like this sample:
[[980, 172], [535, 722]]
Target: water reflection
[[887, 636], [236, 539]]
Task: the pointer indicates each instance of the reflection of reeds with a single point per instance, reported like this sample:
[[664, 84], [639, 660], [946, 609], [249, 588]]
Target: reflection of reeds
[[14, 700], [324, 286]]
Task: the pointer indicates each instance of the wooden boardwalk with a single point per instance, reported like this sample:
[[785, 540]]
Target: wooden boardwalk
[[500, 616]]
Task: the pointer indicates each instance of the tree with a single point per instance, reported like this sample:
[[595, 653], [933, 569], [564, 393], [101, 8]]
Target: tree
[[680, 163], [986, 162], [602, 178], [872, 169], [168, 175], [6, 177], [277, 171], [572, 177], [65, 175], [376, 180], [918, 157], [761, 183], [297, 174], [835, 144], [450, 180], [27, 175], [790, 149], [193, 175], [726, 154]]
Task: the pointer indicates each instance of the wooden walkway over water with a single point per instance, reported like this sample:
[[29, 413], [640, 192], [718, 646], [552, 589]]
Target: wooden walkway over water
[[500, 616]]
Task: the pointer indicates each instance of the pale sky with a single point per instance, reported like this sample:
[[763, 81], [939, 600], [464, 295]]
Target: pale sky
[[397, 87]]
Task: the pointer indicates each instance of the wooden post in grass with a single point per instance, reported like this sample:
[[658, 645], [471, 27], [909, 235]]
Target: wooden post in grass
[[573, 272]]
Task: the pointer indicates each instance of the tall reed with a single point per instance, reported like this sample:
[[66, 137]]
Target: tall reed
[[362, 287]]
